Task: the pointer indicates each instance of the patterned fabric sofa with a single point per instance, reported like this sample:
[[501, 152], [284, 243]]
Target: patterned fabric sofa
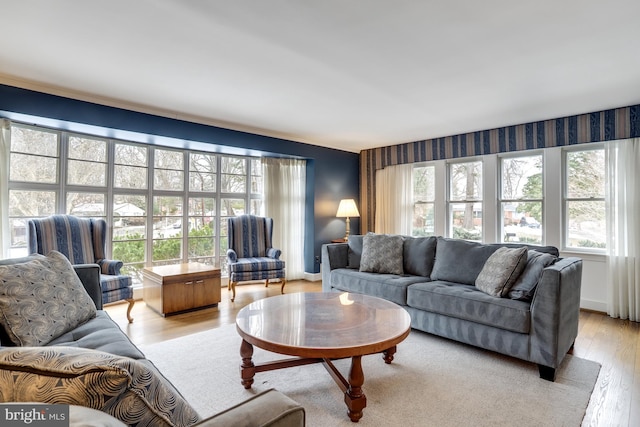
[[527, 307], [58, 346]]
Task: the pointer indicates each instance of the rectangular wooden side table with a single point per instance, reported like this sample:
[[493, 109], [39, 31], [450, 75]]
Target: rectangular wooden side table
[[178, 288]]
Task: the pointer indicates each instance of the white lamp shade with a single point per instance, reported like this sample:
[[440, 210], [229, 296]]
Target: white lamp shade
[[347, 208]]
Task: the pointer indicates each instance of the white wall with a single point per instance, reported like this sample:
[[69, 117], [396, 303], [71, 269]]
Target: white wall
[[593, 293]]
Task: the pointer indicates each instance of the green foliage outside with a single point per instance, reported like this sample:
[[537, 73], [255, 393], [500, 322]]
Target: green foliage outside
[[532, 190], [131, 248], [591, 244], [462, 233]]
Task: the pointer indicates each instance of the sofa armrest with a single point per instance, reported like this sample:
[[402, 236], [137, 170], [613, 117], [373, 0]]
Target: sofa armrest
[[89, 275], [274, 253], [269, 408], [232, 256], [110, 266], [555, 310], [334, 255]]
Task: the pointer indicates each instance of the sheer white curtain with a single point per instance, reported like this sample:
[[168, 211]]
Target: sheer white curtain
[[394, 200], [284, 201], [623, 234], [5, 140]]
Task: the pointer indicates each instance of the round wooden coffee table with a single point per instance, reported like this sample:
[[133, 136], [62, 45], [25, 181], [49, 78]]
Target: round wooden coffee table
[[319, 327]]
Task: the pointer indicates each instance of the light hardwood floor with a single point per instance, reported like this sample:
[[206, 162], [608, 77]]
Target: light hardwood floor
[[614, 343]]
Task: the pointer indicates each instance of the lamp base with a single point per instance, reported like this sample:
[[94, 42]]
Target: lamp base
[[348, 228]]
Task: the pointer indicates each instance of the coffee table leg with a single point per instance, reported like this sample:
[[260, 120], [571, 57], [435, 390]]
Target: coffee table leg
[[387, 355], [354, 397], [247, 369]]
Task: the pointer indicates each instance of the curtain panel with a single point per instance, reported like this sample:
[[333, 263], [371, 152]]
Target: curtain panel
[[609, 125], [284, 201], [394, 194], [623, 229], [5, 229]]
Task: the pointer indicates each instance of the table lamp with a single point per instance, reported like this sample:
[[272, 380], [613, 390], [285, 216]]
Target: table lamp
[[346, 209]]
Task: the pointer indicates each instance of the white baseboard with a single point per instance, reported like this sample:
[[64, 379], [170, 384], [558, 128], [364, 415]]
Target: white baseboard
[[593, 305], [313, 277]]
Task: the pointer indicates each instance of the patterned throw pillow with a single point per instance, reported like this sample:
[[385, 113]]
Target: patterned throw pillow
[[501, 271], [41, 299], [382, 253], [130, 390]]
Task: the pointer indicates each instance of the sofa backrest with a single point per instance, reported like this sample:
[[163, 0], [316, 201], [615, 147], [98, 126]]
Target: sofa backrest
[[81, 240], [419, 255], [461, 261], [442, 258]]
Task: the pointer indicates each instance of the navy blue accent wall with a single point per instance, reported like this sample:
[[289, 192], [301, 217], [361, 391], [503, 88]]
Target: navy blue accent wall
[[331, 174]]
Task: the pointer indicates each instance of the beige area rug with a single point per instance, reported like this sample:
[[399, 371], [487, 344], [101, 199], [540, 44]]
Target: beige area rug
[[431, 382]]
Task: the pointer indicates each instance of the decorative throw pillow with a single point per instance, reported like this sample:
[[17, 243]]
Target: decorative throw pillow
[[501, 270], [41, 299], [382, 253], [525, 286], [132, 391]]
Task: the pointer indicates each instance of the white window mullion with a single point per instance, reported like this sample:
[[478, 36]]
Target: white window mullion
[[63, 153]]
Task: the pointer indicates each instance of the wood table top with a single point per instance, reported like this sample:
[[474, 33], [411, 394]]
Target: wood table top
[[180, 270], [323, 324]]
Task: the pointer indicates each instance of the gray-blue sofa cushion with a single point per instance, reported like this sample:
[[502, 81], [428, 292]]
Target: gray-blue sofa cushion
[[391, 287], [419, 254], [99, 334], [469, 303], [460, 261], [525, 285], [354, 253]]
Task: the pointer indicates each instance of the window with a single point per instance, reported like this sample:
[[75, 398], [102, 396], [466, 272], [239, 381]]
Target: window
[[34, 188], [202, 212], [130, 232], [521, 194], [87, 162], [423, 201], [465, 200], [256, 187], [584, 203], [163, 205], [168, 170]]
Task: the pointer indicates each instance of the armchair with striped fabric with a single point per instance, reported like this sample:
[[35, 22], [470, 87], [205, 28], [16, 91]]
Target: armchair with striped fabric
[[250, 255], [82, 241]]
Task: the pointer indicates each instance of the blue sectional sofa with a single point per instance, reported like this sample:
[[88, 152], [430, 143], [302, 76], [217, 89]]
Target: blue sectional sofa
[[534, 318]]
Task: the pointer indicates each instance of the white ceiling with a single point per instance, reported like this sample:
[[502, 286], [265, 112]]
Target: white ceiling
[[347, 74]]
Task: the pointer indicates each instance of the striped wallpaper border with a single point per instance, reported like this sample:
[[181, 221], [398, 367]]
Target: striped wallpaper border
[[608, 125]]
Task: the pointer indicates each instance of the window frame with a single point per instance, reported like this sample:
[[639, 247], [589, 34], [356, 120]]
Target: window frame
[[594, 146], [501, 200], [449, 202], [432, 202], [60, 190]]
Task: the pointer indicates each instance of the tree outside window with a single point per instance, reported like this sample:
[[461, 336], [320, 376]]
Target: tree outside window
[[190, 196], [423, 201], [465, 200], [585, 199], [521, 199]]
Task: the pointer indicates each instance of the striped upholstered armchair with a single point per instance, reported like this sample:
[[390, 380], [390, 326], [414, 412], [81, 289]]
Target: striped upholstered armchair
[[250, 255], [82, 241]]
